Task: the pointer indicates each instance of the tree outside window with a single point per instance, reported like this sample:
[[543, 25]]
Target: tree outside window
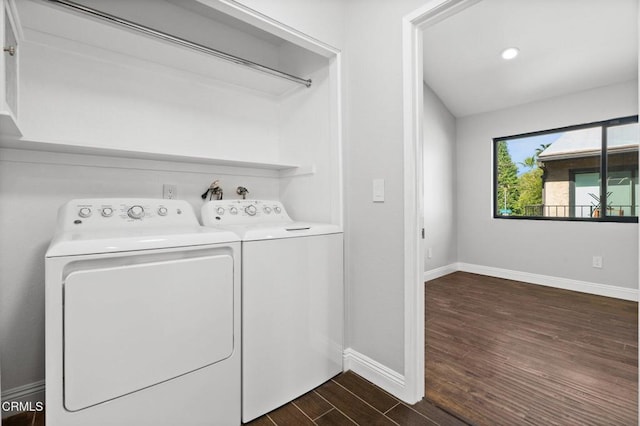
[[556, 174]]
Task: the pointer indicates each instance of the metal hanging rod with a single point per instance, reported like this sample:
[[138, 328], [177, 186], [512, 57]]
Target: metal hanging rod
[[179, 41]]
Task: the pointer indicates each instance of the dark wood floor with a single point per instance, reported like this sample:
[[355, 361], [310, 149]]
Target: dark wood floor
[[348, 399], [25, 419], [499, 352]]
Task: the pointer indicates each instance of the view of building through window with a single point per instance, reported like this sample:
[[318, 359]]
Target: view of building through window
[[558, 174]]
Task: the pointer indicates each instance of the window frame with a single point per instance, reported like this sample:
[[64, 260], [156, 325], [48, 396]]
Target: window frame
[[604, 124]]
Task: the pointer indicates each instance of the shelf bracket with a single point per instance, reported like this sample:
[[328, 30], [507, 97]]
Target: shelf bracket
[[298, 171]]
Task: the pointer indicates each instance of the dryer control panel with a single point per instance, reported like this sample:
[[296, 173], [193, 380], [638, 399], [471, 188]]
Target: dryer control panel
[[243, 212], [120, 212]]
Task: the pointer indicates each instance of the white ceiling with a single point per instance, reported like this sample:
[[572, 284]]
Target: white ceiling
[[565, 46]]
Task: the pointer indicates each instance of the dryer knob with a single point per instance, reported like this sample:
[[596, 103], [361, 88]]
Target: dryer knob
[[162, 211], [251, 210], [267, 210], [136, 212], [220, 211], [277, 209], [233, 210], [84, 212], [107, 212]]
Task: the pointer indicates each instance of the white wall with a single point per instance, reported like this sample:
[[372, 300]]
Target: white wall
[[374, 149], [440, 208], [32, 187], [557, 249]]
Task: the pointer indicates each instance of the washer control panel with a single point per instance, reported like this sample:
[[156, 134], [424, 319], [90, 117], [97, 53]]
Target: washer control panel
[[118, 212], [243, 212]]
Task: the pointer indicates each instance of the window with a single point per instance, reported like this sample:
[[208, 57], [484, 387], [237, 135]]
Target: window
[[557, 174]]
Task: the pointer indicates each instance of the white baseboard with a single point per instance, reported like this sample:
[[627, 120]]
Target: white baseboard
[[557, 282], [378, 374], [432, 274], [29, 394]]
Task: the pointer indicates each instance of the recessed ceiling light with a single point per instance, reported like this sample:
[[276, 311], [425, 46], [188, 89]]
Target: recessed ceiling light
[[510, 53]]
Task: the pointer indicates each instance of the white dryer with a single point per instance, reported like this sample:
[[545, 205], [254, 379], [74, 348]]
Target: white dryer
[[292, 301], [142, 317]]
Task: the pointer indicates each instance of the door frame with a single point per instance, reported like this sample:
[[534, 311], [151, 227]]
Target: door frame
[[414, 304]]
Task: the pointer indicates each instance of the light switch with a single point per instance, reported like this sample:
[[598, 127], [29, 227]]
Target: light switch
[[378, 190]]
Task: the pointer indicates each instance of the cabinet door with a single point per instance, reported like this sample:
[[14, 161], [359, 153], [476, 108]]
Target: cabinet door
[[10, 53]]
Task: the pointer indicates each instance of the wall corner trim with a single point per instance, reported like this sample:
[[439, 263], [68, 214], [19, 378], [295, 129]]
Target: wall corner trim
[[556, 282], [378, 374]]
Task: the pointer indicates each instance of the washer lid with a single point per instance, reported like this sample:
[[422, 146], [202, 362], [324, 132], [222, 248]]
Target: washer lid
[[119, 240], [270, 231]]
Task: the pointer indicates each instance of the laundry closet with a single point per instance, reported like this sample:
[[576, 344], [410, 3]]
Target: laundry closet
[[91, 109]]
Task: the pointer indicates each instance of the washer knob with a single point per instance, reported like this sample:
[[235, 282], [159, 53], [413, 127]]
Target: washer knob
[[277, 209], [107, 212], [220, 211], [84, 212], [136, 212], [162, 211], [233, 210], [251, 210], [267, 210]]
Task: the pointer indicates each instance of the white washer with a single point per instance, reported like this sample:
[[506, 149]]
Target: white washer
[[292, 301], [142, 316]]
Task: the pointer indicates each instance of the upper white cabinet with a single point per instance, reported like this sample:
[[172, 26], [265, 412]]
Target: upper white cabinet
[[89, 82], [93, 85], [8, 70]]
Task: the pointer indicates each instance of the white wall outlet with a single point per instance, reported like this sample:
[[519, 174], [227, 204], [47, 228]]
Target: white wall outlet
[[378, 190], [597, 261], [169, 191]]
